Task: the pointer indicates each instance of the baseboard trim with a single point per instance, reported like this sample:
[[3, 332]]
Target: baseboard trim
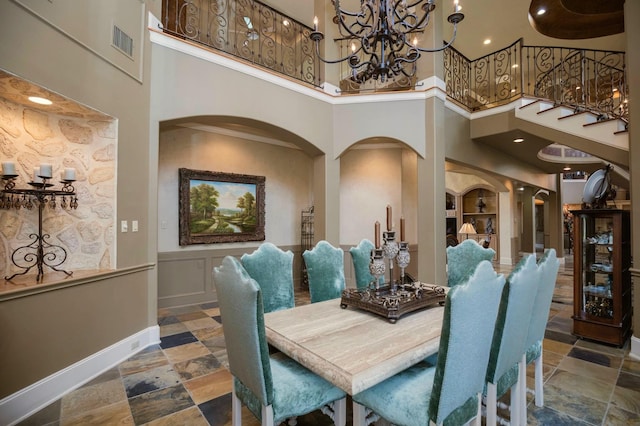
[[30, 400], [635, 347]]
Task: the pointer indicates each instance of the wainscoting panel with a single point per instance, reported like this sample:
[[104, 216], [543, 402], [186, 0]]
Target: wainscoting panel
[[185, 277]]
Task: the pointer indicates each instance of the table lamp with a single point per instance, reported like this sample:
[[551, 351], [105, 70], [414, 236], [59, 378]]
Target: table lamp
[[467, 229]]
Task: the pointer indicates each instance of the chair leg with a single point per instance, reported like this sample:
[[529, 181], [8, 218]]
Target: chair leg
[[522, 370], [492, 404], [267, 415], [539, 381], [515, 404], [340, 411], [359, 415], [478, 419], [236, 408]]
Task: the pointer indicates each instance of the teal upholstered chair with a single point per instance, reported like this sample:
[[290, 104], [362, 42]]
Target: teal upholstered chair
[[447, 393], [509, 338], [548, 270], [463, 259], [272, 268], [361, 257], [273, 387], [325, 270]]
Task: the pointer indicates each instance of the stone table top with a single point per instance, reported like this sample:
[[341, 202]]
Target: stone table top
[[352, 348]]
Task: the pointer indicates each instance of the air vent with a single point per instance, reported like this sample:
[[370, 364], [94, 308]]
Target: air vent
[[122, 41]]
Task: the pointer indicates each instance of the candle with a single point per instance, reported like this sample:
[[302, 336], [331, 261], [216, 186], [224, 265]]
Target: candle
[[8, 168], [36, 175], [377, 234], [455, 6], [45, 170], [402, 229], [315, 23], [389, 217], [69, 174]]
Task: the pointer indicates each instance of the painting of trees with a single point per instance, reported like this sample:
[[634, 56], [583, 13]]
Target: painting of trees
[[220, 207]]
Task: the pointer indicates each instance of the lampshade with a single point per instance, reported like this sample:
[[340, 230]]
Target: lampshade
[[467, 228]]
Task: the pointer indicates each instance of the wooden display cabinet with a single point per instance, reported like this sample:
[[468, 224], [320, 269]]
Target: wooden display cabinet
[[602, 280]]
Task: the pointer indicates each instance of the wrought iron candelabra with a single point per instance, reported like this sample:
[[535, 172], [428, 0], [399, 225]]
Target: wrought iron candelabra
[[390, 248], [39, 253]]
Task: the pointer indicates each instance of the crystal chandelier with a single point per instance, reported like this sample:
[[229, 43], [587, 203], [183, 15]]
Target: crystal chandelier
[[383, 36]]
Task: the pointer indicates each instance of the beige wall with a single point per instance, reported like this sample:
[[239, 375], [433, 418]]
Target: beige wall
[[370, 179], [50, 331], [287, 172]]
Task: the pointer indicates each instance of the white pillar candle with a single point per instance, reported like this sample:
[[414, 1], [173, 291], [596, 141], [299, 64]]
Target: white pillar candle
[[8, 168], [36, 175], [46, 170], [69, 174]]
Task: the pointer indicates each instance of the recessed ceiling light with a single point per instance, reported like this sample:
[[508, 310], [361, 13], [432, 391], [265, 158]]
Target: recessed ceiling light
[[518, 140], [39, 100], [514, 66], [521, 188], [487, 41], [566, 168], [513, 90], [286, 22], [541, 11]]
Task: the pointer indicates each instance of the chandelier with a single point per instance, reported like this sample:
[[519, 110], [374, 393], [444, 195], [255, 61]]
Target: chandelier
[[383, 36]]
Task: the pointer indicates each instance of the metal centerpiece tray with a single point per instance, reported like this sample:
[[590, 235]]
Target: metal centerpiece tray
[[393, 303]]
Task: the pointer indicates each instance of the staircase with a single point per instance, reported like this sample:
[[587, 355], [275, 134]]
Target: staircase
[[610, 135], [584, 124]]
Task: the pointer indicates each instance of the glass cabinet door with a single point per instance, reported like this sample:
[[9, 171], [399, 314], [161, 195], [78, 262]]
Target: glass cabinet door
[[602, 278], [597, 266]]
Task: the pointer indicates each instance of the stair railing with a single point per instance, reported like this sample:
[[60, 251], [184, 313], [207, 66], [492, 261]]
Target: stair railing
[[583, 79]]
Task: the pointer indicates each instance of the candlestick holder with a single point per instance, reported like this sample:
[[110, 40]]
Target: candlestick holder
[[376, 267], [390, 248], [403, 258], [39, 253]]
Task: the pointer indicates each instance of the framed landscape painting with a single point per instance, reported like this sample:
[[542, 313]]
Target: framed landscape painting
[[220, 207]]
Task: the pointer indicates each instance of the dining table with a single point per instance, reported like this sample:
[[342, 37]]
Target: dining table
[[352, 348]]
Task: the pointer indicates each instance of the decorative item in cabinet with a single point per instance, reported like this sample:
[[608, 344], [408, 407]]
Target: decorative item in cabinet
[[479, 208], [602, 280], [306, 241]]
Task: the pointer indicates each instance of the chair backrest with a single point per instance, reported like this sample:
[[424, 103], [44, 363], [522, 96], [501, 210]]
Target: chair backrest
[[463, 259], [325, 270], [470, 313], [241, 310], [272, 268], [361, 257], [548, 266], [514, 315]]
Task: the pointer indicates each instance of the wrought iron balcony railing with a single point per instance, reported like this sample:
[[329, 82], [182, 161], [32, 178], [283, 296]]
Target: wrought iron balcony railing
[[589, 80], [246, 29]]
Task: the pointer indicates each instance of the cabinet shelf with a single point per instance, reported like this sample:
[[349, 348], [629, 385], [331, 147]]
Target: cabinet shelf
[[602, 280]]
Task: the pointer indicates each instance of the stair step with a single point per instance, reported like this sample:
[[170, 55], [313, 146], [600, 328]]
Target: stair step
[[583, 116]]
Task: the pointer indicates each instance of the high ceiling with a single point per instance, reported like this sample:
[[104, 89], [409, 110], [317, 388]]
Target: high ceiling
[[502, 21]]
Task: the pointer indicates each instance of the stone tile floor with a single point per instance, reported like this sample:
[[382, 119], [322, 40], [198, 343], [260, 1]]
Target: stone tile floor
[[185, 381]]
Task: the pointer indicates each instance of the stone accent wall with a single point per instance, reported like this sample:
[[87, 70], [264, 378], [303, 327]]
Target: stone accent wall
[[29, 137]]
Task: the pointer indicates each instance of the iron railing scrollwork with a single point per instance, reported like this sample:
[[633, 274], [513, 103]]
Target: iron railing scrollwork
[[246, 29], [583, 79]]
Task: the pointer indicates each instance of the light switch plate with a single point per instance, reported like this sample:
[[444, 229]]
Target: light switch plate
[[134, 226], [124, 227]]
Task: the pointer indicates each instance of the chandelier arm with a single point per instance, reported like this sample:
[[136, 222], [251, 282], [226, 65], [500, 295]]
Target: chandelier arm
[[336, 61], [439, 49]]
